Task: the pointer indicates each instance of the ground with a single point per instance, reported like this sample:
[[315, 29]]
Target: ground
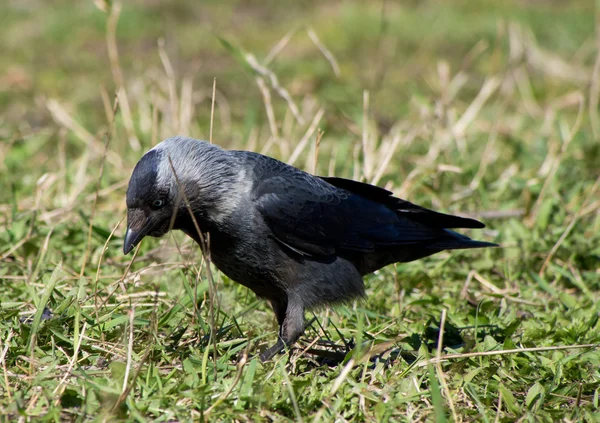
[[487, 109]]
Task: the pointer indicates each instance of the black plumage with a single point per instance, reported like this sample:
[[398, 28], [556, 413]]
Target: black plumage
[[297, 240]]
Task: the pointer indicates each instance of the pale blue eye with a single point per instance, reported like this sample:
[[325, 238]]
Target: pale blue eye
[[157, 204]]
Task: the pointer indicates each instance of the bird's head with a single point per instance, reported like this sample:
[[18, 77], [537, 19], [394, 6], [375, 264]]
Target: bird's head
[[177, 175]]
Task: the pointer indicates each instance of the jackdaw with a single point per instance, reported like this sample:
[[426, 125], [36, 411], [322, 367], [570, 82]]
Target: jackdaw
[[297, 240]]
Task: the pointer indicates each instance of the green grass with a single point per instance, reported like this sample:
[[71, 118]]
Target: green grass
[[131, 341]]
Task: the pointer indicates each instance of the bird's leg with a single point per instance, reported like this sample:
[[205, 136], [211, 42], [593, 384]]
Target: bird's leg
[[279, 306], [272, 351], [291, 325]]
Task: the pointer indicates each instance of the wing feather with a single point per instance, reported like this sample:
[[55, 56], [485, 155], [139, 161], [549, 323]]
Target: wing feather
[[321, 216]]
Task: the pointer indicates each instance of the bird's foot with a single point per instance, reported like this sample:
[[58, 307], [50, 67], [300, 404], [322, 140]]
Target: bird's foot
[[272, 351]]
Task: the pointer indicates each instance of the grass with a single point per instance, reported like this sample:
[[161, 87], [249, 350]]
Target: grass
[[482, 109]]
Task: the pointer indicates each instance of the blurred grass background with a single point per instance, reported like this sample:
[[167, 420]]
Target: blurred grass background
[[486, 108]]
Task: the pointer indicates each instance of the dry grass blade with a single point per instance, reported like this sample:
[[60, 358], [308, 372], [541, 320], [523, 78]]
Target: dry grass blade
[[63, 382], [342, 377], [5, 348], [449, 357], [277, 48], [130, 386], [225, 395], [595, 90], [186, 107], [129, 350], [134, 142], [488, 88], [61, 116], [549, 63], [115, 67], [272, 78], [304, 140], [389, 153], [205, 247], [172, 86], [523, 82], [97, 276], [95, 203], [567, 138], [498, 407], [440, 371], [328, 54], [367, 148], [316, 146], [111, 43], [583, 209], [212, 109], [268, 107]]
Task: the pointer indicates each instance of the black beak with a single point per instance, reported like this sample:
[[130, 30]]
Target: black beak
[[131, 240], [137, 227]]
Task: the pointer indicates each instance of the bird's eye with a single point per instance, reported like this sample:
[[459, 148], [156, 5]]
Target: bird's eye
[[157, 204]]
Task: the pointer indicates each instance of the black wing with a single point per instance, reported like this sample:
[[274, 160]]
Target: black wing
[[407, 209], [319, 216]]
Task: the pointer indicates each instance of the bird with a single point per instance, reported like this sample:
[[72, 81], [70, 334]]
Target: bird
[[297, 240]]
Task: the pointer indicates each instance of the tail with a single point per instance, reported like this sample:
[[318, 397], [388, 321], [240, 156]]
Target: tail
[[458, 241]]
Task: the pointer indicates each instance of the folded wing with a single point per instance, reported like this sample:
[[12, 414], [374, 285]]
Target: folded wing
[[321, 216]]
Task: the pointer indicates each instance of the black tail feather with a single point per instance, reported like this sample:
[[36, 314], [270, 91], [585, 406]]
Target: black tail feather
[[405, 208], [458, 241]]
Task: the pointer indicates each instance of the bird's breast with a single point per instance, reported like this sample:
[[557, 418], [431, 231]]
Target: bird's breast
[[247, 259]]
